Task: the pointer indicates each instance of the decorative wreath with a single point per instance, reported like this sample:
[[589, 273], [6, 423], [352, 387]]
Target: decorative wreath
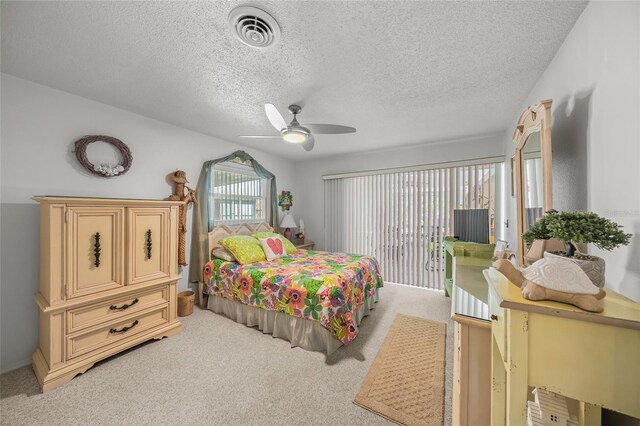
[[285, 200], [104, 170]]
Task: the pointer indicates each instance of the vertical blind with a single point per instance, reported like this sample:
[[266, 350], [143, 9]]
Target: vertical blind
[[238, 195], [401, 218]]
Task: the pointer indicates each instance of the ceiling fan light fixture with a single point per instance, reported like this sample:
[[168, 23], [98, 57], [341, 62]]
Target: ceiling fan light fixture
[[294, 136], [296, 133]]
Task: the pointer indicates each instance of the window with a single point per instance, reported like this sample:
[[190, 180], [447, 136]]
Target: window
[[238, 194]]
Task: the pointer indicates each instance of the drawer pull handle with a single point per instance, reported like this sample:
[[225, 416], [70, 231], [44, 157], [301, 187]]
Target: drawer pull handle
[[148, 235], [123, 329], [494, 317], [96, 249], [123, 307]]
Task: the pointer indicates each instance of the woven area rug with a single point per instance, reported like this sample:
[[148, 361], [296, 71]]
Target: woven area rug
[[405, 383]]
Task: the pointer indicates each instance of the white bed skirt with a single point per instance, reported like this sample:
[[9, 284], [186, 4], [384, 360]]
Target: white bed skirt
[[302, 332]]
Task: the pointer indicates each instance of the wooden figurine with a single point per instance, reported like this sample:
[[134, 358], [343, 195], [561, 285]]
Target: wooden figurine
[[180, 179]]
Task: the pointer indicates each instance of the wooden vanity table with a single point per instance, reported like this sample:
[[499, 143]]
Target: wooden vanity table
[[594, 358]]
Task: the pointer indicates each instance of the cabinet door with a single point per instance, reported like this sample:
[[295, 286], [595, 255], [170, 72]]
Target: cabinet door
[[148, 248], [95, 249]]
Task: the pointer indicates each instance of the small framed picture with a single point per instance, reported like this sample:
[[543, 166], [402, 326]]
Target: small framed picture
[[501, 245], [502, 250]]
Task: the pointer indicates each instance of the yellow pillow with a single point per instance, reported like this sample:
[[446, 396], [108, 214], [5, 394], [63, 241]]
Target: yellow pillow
[[244, 248], [288, 245]]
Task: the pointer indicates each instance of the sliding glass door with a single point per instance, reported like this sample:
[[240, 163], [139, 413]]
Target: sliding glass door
[[401, 218]]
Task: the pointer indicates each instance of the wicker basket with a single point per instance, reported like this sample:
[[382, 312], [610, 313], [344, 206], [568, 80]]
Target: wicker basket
[[186, 300]]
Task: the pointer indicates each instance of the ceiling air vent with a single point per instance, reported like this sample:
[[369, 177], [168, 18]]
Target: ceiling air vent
[[254, 27]]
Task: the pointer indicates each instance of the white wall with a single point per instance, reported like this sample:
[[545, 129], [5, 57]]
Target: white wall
[[594, 81], [309, 200], [38, 128]]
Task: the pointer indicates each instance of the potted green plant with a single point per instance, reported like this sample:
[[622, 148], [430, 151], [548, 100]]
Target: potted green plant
[[577, 228]]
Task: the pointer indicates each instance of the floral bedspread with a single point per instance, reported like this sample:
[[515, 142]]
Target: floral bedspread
[[321, 286]]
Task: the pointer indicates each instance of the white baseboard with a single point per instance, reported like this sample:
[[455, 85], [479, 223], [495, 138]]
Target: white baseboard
[[414, 286]]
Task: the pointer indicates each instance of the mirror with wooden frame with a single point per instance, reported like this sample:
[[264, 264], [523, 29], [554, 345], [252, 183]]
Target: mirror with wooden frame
[[532, 159]]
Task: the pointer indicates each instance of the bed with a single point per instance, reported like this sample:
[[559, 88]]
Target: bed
[[313, 299]]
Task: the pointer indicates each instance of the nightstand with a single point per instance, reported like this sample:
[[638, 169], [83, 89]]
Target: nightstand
[[306, 246]]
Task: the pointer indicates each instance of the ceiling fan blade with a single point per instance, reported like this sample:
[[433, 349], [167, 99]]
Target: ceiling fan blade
[[309, 143], [329, 129], [260, 136], [274, 116]]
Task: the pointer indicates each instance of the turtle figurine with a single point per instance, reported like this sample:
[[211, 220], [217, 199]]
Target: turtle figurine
[[554, 279]]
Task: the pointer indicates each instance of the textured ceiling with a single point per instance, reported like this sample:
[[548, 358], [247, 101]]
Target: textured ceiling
[[401, 72]]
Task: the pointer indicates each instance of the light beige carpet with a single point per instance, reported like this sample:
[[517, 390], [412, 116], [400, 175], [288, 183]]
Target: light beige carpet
[[219, 372], [405, 382]]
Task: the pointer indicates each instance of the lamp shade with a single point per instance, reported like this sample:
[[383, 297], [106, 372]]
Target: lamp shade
[[288, 222]]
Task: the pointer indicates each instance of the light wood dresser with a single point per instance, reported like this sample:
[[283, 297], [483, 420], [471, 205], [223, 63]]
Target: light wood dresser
[[108, 276]]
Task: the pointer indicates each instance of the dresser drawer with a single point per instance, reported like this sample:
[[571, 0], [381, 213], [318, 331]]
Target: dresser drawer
[[116, 331], [114, 309], [498, 323]]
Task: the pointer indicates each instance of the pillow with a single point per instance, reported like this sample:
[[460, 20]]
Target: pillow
[[222, 253], [273, 247], [244, 248], [288, 245]]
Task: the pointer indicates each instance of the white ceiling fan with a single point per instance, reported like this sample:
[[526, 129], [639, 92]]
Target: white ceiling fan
[[294, 132]]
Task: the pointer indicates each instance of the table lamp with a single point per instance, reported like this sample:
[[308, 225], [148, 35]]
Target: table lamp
[[288, 223]]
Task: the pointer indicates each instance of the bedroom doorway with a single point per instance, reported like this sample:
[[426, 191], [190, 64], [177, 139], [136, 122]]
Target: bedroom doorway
[[402, 217]]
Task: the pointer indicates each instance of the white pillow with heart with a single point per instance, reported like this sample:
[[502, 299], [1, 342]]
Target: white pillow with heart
[[273, 248]]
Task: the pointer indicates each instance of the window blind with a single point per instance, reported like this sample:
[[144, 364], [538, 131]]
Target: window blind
[[402, 218], [238, 195]]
